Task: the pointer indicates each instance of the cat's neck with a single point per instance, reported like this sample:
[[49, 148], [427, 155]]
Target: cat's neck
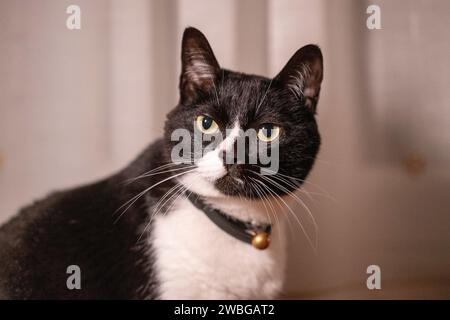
[[267, 211]]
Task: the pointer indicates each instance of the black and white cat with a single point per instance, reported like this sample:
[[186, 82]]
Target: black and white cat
[[141, 234]]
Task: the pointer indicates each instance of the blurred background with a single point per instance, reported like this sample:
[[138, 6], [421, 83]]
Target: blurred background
[[77, 105]]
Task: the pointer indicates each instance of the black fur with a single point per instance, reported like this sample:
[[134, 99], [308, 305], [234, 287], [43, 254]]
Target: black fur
[[82, 226]]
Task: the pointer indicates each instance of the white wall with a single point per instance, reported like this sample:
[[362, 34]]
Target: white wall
[[54, 99]]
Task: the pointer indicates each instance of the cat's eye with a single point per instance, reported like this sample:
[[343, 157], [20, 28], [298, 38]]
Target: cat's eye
[[268, 132], [206, 124]]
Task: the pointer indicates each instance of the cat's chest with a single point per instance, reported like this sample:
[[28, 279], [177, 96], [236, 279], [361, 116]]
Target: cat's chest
[[194, 259]]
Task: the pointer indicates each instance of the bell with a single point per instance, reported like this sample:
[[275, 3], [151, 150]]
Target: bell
[[261, 240]]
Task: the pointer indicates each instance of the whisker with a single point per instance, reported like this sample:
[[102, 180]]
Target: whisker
[[294, 196], [261, 193], [268, 196], [180, 193], [154, 214], [159, 172], [300, 180], [135, 198], [159, 204], [296, 186], [215, 90], [255, 188], [167, 165], [293, 214], [264, 96]]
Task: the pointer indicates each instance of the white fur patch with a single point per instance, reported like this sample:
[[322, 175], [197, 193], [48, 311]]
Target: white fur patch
[[195, 259], [210, 168]]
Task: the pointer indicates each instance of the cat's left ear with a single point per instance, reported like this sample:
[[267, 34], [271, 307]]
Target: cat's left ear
[[303, 75], [200, 69]]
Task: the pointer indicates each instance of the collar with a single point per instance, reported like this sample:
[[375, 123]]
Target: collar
[[258, 235]]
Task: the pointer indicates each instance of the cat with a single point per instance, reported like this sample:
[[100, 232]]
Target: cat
[[163, 229]]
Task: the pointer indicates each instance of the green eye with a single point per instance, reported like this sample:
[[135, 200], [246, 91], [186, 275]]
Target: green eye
[[206, 124], [268, 132]]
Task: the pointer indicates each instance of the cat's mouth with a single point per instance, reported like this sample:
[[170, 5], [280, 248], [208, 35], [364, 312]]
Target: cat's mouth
[[230, 180], [240, 180], [232, 186], [237, 180]]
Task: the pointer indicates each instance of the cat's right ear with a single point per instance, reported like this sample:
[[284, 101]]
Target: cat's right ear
[[199, 66], [303, 75]]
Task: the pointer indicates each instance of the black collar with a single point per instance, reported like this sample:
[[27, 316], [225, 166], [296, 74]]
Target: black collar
[[256, 235]]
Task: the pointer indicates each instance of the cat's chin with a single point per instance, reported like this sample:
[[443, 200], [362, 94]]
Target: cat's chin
[[200, 185], [234, 187]]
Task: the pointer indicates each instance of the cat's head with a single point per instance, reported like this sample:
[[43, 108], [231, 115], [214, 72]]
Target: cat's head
[[217, 108]]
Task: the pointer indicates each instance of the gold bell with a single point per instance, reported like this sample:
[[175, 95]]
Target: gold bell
[[261, 240]]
